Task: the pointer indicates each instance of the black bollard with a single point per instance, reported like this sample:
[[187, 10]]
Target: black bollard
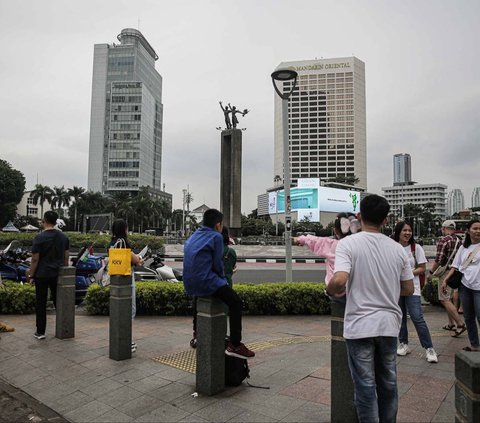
[[342, 405], [211, 331], [65, 307], [120, 317], [467, 387]]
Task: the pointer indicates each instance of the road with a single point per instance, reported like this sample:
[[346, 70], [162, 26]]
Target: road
[[273, 272]]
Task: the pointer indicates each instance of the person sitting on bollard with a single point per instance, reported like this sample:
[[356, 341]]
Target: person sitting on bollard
[[49, 253], [323, 246], [204, 276], [374, 271], [120, 231], [412, 304], [467, 261]]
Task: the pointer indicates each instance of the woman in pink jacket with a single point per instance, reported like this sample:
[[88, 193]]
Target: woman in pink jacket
[[345, 224]]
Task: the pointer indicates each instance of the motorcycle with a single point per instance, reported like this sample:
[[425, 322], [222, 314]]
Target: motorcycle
[[86, 266], [154, 269], [13, 262]]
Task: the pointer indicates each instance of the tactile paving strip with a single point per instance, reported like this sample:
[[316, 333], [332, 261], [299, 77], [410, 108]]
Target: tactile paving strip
[[187, 360]]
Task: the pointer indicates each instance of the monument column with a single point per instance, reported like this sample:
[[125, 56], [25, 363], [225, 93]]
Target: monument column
[[231, 180]]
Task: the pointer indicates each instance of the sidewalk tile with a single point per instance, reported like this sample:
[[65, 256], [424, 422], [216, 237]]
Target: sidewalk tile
[[88, 412]]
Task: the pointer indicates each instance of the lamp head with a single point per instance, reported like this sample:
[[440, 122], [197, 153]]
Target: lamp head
[[284, 75]]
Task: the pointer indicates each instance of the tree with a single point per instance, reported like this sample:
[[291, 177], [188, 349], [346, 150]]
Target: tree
[[75, 193], [12, 186], [60, 198], [344, 179], [41, 193]]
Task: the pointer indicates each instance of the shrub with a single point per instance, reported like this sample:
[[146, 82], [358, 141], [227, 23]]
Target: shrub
[[166, 298], [430, 293], [78, 240], [16, 298]]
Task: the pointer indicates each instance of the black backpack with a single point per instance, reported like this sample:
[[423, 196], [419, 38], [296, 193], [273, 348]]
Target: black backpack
[[236, 370]]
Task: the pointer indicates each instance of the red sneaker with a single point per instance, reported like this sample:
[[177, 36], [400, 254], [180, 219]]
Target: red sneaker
[[240, 351]]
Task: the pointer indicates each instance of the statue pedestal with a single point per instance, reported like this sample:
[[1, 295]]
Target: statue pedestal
[[231, 180]]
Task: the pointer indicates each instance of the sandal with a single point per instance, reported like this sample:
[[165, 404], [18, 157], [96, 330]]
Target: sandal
[[459, 331], [449, 327]]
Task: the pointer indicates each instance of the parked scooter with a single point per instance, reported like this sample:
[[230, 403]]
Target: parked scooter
[[86, 266], [155, 269], [13, 262]]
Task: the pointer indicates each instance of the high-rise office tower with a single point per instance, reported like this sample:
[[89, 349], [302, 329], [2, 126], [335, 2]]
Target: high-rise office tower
[[125, 150], [402, 169], [476, 197], [326, 120], [455, 201]]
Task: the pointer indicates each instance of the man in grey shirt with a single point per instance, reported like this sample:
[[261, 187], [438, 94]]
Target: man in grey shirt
[[374, 271]]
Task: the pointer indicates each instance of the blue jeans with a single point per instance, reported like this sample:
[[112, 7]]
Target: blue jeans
[[413, 305], [373, 365], [470, 300]]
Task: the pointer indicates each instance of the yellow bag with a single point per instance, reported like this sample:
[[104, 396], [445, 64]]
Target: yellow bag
[[120, 259]]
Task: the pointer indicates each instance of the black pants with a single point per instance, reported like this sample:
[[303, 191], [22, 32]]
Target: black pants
[[227, 295], [41, 297]]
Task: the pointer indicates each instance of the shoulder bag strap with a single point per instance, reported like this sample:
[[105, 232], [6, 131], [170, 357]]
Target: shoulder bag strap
[[452, 254], [468, 260]]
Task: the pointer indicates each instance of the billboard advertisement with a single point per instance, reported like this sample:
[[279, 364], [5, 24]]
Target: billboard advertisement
[[309, 199], [338, 200]]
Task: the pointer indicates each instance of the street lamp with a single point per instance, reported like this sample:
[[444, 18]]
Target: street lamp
[[183, 211], [284, 75]]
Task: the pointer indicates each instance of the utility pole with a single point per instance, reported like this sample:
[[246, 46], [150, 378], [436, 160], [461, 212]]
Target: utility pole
[[183, 211]]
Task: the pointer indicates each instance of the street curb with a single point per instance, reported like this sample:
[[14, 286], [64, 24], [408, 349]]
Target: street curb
[[258, 259]]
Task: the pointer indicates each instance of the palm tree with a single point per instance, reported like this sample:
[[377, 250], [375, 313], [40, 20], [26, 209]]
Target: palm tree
[[60, 198], [76, 193], [41, 193]]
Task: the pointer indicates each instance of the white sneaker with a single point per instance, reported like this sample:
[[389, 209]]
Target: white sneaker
[[431, 355], [403, 349]]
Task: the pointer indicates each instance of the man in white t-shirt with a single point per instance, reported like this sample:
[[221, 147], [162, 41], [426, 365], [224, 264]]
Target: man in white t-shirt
[[374, 271]]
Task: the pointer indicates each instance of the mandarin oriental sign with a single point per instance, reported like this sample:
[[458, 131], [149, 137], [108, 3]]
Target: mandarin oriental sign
[[321, 66]]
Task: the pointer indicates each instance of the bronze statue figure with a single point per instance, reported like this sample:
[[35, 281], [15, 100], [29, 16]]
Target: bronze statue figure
[[233, 110]]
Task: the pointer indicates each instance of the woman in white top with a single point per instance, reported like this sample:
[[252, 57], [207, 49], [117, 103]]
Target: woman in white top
[[467, 260], [412, 304]]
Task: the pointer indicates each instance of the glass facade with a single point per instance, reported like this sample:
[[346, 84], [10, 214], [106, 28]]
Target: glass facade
[[127, 111], [326, 113]]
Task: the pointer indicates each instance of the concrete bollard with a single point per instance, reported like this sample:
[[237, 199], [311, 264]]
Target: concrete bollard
[[342, 405], [467, 387], [211, 331], [65, 307], [120, 317]]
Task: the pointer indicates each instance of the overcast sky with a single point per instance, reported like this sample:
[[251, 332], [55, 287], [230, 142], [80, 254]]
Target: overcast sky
[[422, 83]]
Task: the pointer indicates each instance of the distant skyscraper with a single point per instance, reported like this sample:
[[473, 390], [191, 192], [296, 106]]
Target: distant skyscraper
[[402, 169], [326, 120], [125, 150], [476, 197], [455, 201]]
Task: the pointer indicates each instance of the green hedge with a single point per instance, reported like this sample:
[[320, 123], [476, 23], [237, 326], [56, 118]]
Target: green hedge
[[16, 298], [166, 298], [78, 240], [430, 293]]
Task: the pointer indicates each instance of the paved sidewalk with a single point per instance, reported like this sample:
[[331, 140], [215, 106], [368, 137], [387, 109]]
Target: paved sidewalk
[[76, 379]]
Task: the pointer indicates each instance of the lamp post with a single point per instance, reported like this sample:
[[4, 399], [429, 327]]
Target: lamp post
[[183, 211], [284, 75]]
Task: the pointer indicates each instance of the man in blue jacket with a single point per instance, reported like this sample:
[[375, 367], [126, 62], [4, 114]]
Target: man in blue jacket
[[203, 276]]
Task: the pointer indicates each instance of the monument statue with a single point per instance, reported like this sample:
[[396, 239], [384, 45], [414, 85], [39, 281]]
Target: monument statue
[[233, 110], [226, 112]]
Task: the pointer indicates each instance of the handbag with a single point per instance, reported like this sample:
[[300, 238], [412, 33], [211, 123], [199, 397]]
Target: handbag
[[455, 280], [441, 270], [120, 259]]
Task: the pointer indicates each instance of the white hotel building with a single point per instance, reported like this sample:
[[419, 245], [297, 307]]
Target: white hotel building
[[326, 120]]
